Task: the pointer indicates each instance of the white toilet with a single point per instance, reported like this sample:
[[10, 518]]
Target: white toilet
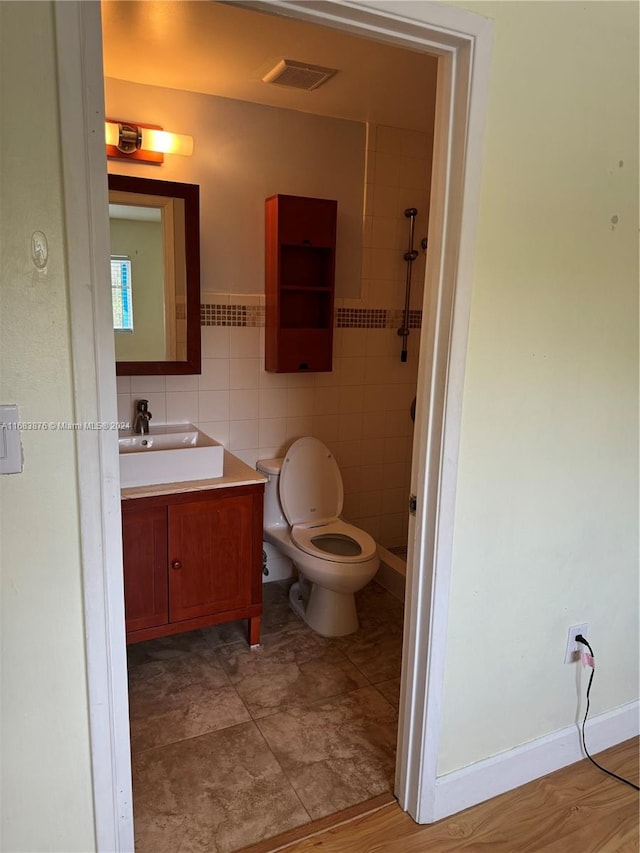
[[303, 502]]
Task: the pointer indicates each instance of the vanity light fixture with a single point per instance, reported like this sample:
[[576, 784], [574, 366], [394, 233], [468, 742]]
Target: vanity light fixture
[[143, 143]]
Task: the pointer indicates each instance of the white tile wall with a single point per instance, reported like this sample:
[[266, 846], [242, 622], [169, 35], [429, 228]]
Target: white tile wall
[[365, 423]]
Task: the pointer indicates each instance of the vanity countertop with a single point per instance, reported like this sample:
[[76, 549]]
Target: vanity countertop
[[236, 473]]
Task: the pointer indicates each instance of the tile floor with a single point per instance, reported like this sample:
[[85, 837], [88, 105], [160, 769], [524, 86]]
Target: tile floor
[[231, 746]]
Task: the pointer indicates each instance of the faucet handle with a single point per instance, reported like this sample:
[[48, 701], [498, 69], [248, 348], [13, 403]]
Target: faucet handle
[[142, 418]]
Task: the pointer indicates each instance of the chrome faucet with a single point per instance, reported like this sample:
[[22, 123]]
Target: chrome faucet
[[142, 418]]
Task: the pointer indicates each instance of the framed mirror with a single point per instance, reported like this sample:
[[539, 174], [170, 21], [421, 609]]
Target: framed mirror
[[155, 275]]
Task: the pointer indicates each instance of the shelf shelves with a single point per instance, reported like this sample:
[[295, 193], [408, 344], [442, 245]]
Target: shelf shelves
[[300, 271]]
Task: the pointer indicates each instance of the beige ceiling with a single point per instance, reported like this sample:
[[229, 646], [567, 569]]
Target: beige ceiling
[[220, 49]]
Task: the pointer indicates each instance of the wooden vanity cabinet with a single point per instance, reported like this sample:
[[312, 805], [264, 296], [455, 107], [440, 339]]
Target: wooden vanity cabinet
[[299, 283], [191, 560]]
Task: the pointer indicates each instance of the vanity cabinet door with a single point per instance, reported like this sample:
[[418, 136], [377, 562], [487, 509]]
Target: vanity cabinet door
[[210, 556], [144, 540]]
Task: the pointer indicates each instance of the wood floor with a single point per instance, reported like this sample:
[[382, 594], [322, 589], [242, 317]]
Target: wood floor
[[576, 810]]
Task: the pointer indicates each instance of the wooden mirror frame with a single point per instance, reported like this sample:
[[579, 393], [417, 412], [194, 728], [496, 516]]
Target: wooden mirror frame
[[190, 193]]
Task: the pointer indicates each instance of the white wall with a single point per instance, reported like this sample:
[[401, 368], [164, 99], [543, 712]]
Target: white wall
[[46, 773], [546, 529]]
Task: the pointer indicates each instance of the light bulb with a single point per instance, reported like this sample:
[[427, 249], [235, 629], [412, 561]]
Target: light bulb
[[166, 143], [111, 133]]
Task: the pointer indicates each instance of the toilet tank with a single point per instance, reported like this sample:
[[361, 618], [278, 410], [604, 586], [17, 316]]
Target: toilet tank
[[273, 516]]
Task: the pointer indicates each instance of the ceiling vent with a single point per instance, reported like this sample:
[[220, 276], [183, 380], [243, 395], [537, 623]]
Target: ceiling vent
[[298, 75]]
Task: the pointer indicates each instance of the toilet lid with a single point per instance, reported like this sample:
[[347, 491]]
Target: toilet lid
[[310, 483]]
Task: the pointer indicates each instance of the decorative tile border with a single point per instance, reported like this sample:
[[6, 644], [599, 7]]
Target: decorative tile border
[[231, 315], [345, 318], [361, 318]]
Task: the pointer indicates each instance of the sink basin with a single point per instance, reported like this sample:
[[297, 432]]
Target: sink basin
[[168, 454]]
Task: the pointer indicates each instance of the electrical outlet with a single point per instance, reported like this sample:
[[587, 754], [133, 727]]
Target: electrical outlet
[[575, 649]]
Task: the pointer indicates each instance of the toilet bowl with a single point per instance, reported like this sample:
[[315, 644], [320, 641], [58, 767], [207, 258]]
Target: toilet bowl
[[303, 502]]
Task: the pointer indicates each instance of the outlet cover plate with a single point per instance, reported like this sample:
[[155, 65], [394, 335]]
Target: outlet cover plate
[[575, 649]]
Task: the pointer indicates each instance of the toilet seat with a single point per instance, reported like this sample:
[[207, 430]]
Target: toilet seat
[[311, 494], [343, 543]]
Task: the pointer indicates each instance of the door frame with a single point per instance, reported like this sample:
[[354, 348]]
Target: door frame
[[462, 41]]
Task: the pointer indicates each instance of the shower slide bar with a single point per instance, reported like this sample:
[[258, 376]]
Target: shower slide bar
[[410, 255]]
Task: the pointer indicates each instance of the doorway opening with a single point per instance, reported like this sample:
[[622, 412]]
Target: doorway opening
[[305, 727]]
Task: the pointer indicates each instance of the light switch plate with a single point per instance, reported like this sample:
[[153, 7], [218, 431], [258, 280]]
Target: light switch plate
[[10, 445]]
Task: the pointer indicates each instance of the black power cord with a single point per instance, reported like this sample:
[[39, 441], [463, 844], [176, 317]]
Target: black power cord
[[581, 639]]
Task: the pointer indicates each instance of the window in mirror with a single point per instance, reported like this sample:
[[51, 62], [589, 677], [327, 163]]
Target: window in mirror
[[143, 231], [121, 299]]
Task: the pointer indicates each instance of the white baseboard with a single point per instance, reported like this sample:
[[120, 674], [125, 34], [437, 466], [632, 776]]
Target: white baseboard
[[486, 779]]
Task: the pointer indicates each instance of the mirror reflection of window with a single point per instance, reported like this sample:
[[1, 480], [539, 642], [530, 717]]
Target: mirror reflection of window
[[121, 297], [137, 235]]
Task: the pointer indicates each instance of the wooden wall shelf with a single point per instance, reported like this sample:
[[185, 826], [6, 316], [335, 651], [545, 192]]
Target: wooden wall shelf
[[299, 283]]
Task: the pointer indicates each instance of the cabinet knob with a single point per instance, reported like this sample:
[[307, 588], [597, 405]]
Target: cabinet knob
[[176, 564]]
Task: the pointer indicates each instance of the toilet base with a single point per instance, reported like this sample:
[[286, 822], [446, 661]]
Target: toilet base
[[296, 600], [328, 613]]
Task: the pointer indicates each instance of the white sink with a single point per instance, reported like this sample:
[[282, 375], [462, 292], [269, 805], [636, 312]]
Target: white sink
[[172, 453]]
